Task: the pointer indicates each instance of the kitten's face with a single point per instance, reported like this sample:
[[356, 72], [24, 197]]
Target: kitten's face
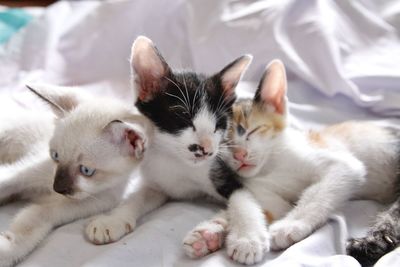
[[190, 111], [257, 123], [96, 143], [251, 135], [191, 115]]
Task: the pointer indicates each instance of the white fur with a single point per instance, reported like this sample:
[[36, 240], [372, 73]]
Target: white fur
[[84, 134]]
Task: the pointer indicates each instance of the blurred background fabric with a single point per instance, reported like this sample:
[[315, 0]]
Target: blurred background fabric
[[343, 62]]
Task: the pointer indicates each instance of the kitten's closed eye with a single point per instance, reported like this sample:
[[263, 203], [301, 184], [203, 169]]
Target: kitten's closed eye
[[241, 130], [257, 129]]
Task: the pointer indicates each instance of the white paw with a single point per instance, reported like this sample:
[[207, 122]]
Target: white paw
[[105, 229], [206, 238], [7, 250], [248, 248], [285, 233]]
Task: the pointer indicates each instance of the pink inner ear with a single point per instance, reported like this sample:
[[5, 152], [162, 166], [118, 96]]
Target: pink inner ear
[[132, 136], [148, 66], [274, 87]]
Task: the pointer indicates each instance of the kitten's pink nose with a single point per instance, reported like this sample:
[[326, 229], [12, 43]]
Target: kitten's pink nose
[[206, 144], [240, 154]]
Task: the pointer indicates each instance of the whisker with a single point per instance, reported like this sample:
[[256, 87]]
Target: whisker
[[180, 90], [180, 99], [187, 93]]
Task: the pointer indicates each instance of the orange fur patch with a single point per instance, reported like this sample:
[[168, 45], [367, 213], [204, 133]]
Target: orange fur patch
[[316, 139], [250, 116], [268, 216]]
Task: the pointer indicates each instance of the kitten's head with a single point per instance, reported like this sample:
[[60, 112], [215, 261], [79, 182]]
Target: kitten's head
[[190, 111], [258, 122], [96, 142]]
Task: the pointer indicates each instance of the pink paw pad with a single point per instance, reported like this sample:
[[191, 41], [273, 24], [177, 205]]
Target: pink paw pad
[[210, 242]]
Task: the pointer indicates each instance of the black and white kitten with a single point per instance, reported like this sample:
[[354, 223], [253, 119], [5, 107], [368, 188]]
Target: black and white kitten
[[191, 113]]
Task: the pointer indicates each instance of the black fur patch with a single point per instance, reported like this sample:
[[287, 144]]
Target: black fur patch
[[382, 238], [173, 108], [225, 180]]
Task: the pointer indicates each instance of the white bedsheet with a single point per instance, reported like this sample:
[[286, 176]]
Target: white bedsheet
[[343, 60]]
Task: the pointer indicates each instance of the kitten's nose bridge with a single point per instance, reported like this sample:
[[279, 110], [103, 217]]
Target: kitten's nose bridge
[[206, 144], [240, 154]]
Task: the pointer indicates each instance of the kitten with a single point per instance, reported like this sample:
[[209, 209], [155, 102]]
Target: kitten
[[317, 170], [94, 145], [191, 114]]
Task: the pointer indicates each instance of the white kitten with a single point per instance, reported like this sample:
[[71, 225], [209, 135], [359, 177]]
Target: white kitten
[[94, 145]]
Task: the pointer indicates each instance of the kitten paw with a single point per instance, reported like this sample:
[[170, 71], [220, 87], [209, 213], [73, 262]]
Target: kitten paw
[[369, 249], [285, 233], [206, 238], [105, 229], [249, 248], [7, 249]]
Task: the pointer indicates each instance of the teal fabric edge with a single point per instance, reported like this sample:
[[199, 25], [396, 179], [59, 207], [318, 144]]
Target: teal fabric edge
[[11, 21]]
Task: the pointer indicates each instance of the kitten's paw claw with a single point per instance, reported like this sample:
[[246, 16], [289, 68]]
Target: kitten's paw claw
[[249, 249], [369, 249], [107, 229], [204, 239], [285, 233]]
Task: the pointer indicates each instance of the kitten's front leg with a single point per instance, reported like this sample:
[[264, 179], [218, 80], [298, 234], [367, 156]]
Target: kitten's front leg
[[317, 203], [33, 223], [206, 237], [108, 228], [248, 239]]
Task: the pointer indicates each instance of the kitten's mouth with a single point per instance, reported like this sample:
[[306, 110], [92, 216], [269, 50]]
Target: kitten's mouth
[[245, 166]]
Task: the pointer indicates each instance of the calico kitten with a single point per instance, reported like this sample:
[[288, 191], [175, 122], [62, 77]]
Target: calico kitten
[[317, 170], [72, 167], [191, 114]]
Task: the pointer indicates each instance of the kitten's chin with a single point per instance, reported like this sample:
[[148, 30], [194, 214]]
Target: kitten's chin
[[248, 171], [196, 162]]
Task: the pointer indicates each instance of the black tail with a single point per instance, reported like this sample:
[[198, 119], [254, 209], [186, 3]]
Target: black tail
[[384, 235], [382, 238]]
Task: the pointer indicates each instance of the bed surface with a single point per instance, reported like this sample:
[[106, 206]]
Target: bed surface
[[343, 61]]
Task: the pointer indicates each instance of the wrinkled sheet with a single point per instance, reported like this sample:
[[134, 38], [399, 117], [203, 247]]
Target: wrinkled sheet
[[343, 61]]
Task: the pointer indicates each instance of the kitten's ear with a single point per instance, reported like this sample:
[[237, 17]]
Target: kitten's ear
[[233, 72], [128, 137], [61, 99], [271, 91], [149, 69]]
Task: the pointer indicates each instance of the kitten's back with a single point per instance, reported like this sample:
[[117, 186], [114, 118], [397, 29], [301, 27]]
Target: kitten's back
[[20, 133]]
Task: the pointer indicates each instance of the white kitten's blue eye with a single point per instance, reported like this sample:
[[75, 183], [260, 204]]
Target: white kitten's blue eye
[[86, 171], [54, 155]]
